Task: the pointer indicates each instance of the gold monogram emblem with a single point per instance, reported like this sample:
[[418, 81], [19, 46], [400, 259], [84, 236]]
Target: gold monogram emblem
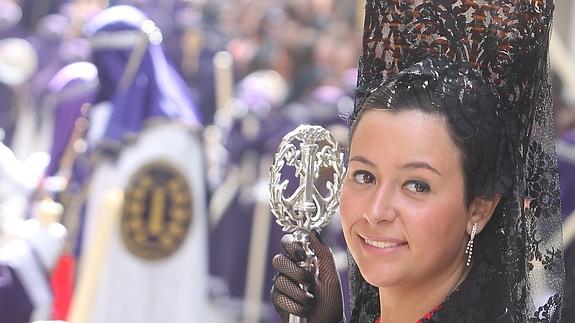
[[157, 211]]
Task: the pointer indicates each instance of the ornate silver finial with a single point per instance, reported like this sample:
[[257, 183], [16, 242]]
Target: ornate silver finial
[[309, 150]]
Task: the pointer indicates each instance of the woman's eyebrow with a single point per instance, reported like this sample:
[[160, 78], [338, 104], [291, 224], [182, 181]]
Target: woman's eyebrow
[[363, 160], [419, 164]]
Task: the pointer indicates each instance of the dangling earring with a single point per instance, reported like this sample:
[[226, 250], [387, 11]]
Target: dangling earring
[[469, 249]]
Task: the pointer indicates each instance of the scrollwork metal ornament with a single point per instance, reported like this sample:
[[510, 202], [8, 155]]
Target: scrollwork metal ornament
[[309, 150]]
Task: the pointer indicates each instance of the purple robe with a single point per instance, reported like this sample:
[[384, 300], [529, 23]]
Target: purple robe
[[155, 89], [73, 86], [15, 304], [566, 163]]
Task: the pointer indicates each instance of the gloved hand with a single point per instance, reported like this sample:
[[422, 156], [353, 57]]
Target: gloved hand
[[322, 303]]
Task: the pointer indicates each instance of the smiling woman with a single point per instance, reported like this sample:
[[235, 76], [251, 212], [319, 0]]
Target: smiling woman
[[413, 197], [401, 194], [449, 207]]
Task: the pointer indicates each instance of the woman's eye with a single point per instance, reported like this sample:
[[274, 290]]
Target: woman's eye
[[417, 186], [363, 177]]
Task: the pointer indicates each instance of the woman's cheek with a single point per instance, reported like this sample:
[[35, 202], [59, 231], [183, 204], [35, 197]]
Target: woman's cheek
[[346, 208]]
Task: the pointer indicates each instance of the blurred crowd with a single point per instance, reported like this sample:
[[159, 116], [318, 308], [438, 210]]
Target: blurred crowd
[[100, 98], [167, 114]]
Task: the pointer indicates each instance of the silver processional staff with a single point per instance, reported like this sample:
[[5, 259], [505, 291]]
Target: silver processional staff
[[309, 151]]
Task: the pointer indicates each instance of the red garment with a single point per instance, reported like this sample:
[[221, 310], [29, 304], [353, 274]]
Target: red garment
[[62, 285], [425, 317]]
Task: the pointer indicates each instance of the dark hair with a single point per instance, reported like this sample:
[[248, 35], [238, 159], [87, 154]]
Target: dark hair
[[477, 123]]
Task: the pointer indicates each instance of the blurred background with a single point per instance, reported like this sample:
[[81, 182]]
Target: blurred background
[[136, 140]]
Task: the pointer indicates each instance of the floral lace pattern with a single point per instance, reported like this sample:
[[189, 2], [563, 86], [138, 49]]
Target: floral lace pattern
[[517, 272]]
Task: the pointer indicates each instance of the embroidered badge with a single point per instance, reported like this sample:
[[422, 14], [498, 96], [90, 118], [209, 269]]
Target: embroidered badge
[[157, 212]]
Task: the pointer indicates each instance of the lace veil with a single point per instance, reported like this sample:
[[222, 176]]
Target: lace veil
[[518, 268]]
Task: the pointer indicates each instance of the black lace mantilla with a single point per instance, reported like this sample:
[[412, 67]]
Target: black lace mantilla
[[517, 273]]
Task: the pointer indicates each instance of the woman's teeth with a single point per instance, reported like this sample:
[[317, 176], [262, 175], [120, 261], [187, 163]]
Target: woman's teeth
[[383, 244]]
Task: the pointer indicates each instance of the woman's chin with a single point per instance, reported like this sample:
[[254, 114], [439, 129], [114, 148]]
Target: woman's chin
[[381, 276]]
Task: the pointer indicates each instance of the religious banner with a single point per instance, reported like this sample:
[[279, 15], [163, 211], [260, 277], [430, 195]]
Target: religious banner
[[144, 256]]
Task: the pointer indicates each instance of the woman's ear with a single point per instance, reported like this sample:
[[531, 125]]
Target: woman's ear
[[480, 211]]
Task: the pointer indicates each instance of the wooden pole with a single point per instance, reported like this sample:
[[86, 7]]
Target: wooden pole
[[223, 63], [94, 260], [259, 240]]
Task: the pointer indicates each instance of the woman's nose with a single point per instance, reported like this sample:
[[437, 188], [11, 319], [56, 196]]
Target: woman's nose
[[382, 206]]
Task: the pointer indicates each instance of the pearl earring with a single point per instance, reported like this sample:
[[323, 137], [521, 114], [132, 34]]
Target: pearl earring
[[469, 249]]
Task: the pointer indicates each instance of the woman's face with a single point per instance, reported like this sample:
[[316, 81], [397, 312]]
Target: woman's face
[[402, 204]]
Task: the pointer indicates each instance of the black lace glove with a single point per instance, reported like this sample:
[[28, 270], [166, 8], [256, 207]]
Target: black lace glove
[[322, 303]]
